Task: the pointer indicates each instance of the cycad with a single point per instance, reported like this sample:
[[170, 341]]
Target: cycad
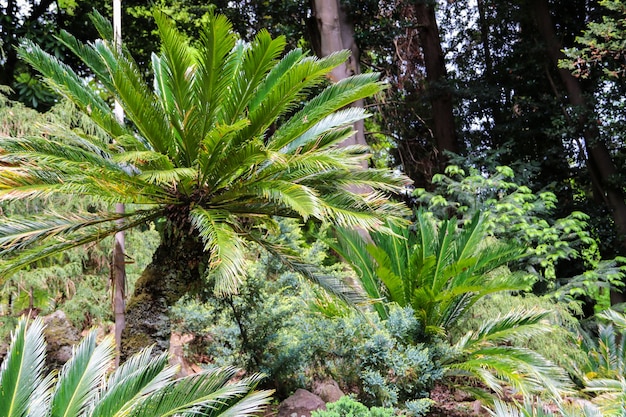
[[143, 386], [604, 374], [202, 155], [438, 270], [489, 354]]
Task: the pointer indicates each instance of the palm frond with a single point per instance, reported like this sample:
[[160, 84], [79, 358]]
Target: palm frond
[[21, 375], [80, 377], [225, 246], [610, 395], [65, 81], [139, 376], [332, 284], [259, 57], [352, 248], [216, 42], [208, 393], [137, 100], [333, 98], [73, 230], [513, 325]]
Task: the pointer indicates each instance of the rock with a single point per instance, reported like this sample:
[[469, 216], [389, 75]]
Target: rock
[[328, 390], [300, 404], [61, 337]]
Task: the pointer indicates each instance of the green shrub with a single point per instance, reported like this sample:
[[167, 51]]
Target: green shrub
[[347, 406]]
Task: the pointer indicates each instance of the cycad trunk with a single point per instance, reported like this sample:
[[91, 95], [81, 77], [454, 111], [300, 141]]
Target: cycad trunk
[[175, 270]]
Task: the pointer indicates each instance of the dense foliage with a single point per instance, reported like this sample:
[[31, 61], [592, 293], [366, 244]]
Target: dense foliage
[[143, 386], [497, 285]]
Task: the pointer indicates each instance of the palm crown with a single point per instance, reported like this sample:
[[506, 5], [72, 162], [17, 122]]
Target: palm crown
[[202, 149]]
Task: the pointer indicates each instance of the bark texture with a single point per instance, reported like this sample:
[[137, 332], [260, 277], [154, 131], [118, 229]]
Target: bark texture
[[175, 270], [436, 76], [333, 31]]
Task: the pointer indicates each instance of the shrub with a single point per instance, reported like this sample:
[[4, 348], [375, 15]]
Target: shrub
[[347, 406]]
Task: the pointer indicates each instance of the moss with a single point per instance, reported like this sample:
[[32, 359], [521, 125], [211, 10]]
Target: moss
[[135, 342]]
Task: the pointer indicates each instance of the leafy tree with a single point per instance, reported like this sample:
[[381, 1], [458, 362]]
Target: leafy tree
[[601, 44], [561, 252], [143, 386], [202, 156]]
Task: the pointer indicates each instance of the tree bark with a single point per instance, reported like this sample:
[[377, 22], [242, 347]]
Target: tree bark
[[333, 31], [436, 76], [599, 160], [175, 270], [119, 250]]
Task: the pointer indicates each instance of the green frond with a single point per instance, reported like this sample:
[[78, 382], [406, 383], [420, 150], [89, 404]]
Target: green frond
[[137, 100], [80, 377], [285, 87], [102, 25], [294, 197], [311, 138], [209, 393], [610, 395], [333, 98], [168, 177], [21, 375], [258, 59], [144, 159], [65, 81], [352, 247], [332, 284], [216, 42], [368, 211], [225, 246], [141, 375], [88, 56], [37, 237], [523, 369], [514, 325]]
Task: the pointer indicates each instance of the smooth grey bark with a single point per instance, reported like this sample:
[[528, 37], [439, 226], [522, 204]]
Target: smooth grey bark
[[334, 31]]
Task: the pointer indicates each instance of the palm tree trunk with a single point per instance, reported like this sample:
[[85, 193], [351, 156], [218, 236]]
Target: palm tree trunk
[[175, 270]]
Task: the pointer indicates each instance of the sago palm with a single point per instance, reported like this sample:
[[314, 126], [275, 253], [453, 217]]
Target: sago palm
[[219, 142], [438, 270], [604, 373], [143, 386]]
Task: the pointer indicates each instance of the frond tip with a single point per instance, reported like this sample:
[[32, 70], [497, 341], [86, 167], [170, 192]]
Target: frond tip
[[143, 386]]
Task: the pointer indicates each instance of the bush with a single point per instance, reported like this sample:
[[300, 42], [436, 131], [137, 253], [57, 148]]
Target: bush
[[347, 406]]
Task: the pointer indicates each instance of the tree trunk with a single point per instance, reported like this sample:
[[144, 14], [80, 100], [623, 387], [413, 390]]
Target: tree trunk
[[334, 31], [436, 76], [599, 161], [175, 270], [119, 250]]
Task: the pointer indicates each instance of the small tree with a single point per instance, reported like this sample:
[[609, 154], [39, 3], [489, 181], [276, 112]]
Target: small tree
[[217, 145]]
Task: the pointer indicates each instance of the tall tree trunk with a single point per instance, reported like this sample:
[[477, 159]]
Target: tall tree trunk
[[334, 31], [599, 161], [436, 77], [119, 250], [175, 270]]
